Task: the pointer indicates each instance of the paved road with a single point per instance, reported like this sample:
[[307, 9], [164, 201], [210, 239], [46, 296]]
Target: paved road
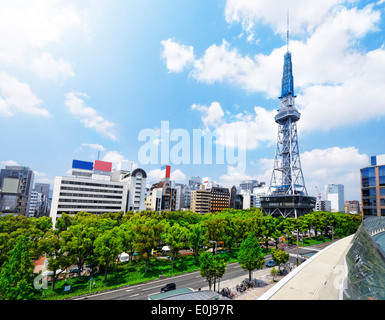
[[191, 280]]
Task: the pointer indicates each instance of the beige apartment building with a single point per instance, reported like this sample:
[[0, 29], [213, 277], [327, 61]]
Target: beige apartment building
[[200, 201]]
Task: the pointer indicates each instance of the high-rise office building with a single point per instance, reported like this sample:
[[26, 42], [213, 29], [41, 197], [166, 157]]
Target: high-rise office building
[[36, 204], [137, 182], [180, 195], [220, 199], [335, 194], [373, 187], [208, 183], [43, 198], [193, 183], [94, 188], [248, 185], [236, 200], [16, 184], [200, 200], [249, 201]]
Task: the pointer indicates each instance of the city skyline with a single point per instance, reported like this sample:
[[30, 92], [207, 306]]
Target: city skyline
[[81, 80]]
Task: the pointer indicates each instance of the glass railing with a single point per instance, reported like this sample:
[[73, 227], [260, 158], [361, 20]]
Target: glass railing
[[366, 264]]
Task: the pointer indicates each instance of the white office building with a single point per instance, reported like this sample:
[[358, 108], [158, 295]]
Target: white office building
[[95, 189], [72, 195], [137, 185], [248, 201], [323, 205], [260, 191], [336, 195]]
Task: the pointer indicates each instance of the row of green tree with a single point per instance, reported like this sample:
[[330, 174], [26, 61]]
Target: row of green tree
[[99, 239]]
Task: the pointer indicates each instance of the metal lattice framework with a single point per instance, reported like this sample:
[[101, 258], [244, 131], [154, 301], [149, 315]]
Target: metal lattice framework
[[287, 193], [287, 177]]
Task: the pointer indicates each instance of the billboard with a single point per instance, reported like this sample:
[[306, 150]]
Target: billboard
[[165, 172], [11, 185], [102, 166], [84, 165]]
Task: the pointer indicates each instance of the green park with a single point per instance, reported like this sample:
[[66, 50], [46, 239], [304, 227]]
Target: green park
[[84, 252]]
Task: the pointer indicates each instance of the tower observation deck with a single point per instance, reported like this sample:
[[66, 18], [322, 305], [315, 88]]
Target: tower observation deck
[[287, 193]]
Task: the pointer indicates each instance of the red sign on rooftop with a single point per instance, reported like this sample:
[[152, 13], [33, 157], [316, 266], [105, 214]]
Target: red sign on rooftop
[[102, 166]]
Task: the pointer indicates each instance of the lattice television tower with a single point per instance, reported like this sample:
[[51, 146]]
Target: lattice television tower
[[287, 193]]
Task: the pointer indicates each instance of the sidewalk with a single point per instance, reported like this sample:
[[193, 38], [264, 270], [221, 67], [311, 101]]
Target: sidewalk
[[319, 278], [251, 293]]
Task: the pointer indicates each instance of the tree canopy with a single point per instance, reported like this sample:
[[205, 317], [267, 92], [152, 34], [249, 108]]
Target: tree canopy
[[87, 238]]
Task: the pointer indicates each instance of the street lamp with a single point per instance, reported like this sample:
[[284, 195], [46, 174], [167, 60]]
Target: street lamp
[[215, 251]]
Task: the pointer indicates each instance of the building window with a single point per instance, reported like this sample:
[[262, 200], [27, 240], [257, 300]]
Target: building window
[[381, 173], [369, 193], [368, 177], [370, 202]]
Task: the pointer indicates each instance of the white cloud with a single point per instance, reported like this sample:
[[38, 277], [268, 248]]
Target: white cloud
[[26, 25], [154, 175], [337, 80], [47, 67], [175, 175], [233, 177], [304, 15], [223, 64], [8, 163], [177, 56], [41, 177], [115, 157], [94, 146], [88, 116], [178, 176], [333, 78], [212, 116], [244, 131], [16, 97]]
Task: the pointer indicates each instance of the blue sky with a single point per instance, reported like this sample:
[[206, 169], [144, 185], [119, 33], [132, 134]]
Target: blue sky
[[78, 77]]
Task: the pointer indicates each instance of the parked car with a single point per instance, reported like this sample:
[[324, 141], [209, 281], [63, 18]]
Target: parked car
[[271, 263], [168, 287]]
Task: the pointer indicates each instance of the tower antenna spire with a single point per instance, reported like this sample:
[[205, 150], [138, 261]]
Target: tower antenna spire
[[288, 30]]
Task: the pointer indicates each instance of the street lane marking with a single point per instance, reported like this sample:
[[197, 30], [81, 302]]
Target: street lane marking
[[140, 285], [134, 295], [153, 287]]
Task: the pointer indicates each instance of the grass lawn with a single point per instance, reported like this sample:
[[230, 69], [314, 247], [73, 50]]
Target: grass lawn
[[312, 241], [130, 273], [126, 274]]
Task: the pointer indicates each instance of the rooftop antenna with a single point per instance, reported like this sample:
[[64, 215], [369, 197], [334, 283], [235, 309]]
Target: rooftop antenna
[[288, 28]]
